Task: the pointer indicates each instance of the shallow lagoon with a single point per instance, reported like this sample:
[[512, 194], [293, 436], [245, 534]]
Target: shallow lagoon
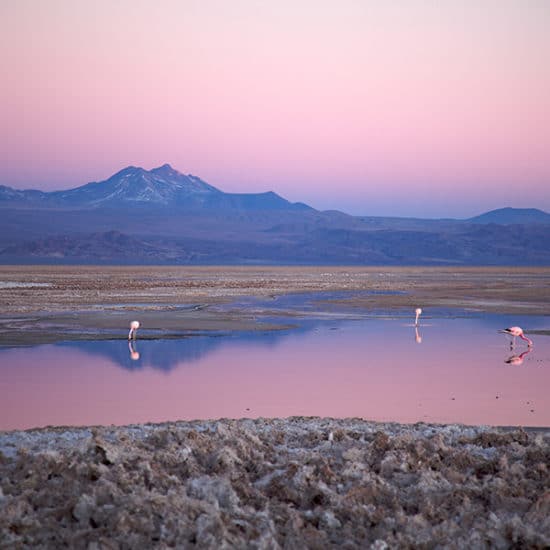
[[454, 368]]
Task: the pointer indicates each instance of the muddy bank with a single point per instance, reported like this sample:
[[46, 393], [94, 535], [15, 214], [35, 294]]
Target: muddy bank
[[43, 304], [25, 289], [173, 323], [294, 483]]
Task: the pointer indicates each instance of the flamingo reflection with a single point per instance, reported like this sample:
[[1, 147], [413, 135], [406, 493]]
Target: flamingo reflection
[[517, 360], [134, 354], [417, 336]]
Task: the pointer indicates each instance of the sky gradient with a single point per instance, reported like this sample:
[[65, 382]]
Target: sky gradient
[[402, 108]]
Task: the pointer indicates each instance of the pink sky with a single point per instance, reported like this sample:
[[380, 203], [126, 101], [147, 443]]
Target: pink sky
[[373, 107]]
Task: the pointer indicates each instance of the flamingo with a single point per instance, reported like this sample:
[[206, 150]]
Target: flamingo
[[134, 325], [418, 312], [514, 332]]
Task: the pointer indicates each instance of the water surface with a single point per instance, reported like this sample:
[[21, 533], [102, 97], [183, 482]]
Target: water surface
[[452, 369]]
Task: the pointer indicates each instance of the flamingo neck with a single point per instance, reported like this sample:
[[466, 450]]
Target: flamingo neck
[[528, 340]]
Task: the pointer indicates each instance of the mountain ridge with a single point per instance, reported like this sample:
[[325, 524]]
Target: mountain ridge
[[509, 215], [166, 186], [160, 186], [162, 216]]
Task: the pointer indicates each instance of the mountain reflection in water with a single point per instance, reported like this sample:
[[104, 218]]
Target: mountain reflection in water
[[168, 354]]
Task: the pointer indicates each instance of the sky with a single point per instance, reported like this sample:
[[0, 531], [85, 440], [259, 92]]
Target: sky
[[406, 108]]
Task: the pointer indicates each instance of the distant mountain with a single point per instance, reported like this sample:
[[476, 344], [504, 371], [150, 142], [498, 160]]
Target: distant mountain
[[162, 185], [14, 196], [94, 247], [468, 244], [162, 216], [159, 187], [507, 216]]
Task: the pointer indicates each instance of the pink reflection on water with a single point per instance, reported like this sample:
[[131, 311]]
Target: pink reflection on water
[[378, 375], [518, 358]]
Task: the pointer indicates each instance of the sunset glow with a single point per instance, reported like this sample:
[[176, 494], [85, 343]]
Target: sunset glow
[[371, 107]]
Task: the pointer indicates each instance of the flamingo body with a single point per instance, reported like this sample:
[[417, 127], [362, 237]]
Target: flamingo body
[[516, 332], [418, 312], [134, 325]]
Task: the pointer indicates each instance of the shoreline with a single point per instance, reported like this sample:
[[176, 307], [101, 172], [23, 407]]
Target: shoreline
[[45, 304], [47, 434], [303, 482]]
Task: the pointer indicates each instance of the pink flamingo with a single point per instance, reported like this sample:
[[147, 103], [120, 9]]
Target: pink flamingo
[[514, 332], [418, 312], [134, 325]]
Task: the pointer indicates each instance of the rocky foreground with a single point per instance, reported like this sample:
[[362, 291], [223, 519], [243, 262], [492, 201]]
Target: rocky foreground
[[294, 483]]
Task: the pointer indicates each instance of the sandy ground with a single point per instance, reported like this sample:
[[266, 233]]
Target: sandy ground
[[48, 303]]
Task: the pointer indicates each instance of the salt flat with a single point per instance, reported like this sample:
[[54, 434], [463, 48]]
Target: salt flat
[[85, 300], [287, 483]]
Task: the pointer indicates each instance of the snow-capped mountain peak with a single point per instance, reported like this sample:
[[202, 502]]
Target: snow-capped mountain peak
[[162, 185]]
